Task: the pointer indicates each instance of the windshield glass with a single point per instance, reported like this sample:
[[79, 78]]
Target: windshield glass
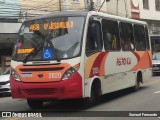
[[49, 39], [156, 56]]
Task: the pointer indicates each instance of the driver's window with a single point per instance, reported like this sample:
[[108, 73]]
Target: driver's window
[[94, 38]]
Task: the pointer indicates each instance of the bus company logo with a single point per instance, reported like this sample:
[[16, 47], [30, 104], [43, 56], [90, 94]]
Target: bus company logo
[[123, 61]]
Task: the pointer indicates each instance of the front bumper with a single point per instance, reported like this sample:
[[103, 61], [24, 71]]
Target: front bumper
[[67, 89], [156, 67]]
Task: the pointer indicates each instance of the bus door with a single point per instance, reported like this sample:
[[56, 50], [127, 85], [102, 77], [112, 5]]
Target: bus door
[[94, 47]]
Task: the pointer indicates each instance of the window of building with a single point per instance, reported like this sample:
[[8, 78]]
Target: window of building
[[76, 1], [110, 35], [139, 33], [145, 4], [126, 34], [157, 5], [94, 38]]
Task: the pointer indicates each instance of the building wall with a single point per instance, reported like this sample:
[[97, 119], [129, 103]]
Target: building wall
[[9, 8], [120, 8], [151, 16], [73, 5], [36, 7], [151, 13]]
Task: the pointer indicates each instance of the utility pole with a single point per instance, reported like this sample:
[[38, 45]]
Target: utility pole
[[102, 4], [117, 7], [60, 9], [126, 8]]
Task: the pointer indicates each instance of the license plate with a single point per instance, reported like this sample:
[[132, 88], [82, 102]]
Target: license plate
[[155, 68]]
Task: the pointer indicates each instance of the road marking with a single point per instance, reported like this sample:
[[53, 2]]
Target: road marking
[[157, 92]]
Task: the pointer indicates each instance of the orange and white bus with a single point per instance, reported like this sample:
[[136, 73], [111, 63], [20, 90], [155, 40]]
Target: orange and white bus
[[74, 55]]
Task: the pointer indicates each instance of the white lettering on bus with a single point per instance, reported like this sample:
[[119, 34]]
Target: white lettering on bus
[[95, 70], [55, 75], [123, 61]]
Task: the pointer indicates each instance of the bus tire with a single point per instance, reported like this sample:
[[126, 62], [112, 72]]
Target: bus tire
[[95, 94], [34, 104], [138, 81]]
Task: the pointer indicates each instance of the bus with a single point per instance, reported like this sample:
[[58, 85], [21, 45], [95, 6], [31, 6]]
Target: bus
[[79, 55]]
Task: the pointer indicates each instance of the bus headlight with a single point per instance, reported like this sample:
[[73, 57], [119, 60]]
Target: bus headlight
[[68, 73], [15, 75]]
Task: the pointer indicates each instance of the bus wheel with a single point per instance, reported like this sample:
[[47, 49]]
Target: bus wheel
[[137, 86], [34, 104], [138, 81], [95, 94]]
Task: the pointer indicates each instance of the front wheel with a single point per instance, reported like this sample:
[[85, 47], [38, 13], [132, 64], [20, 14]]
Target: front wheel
[[34, 104], [95, 95]]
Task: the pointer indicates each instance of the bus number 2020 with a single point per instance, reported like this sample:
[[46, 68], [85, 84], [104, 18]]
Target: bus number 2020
[[55, 75]]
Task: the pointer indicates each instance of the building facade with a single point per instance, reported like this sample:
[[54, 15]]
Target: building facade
[[19, 10], [150, 12]]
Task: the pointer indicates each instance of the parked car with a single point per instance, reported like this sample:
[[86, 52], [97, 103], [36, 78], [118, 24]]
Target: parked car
[[156, 62], [5, 83]]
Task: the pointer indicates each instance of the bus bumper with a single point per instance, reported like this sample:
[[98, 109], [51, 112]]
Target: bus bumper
[[67, 89]]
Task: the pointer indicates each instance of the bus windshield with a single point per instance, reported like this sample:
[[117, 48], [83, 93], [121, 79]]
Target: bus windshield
[[49, 39]]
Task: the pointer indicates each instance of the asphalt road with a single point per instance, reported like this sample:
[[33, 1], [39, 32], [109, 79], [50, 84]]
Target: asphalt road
[[144, 100]]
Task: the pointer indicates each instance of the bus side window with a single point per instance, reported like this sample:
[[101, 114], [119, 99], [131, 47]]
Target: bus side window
[[126, 34], [147, 38], [94, 38], [139, 34], [110, 35]]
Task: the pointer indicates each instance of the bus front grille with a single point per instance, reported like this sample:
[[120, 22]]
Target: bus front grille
[[41, 69], [37, 91]]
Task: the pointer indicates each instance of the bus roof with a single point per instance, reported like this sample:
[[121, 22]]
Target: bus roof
[[120, 18], [85, 13]]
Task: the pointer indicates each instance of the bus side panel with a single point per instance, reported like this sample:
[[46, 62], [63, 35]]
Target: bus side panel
[[117, 69]]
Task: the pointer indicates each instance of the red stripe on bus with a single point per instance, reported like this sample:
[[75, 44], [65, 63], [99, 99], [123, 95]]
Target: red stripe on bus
[[95, 70]]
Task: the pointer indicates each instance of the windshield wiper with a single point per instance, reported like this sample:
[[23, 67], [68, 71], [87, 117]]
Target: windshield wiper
[[34, 51]]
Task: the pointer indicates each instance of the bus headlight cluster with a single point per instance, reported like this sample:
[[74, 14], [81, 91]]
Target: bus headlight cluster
[[15, 75], [68, 73]]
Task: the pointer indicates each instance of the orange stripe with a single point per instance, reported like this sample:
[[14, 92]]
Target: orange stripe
[[89, 64], [144, 62], [102, 67]]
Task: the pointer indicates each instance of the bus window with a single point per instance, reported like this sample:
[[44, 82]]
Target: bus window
[[147, 38], [126, 34], [94, 38], [139, 34], [110, 35]]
